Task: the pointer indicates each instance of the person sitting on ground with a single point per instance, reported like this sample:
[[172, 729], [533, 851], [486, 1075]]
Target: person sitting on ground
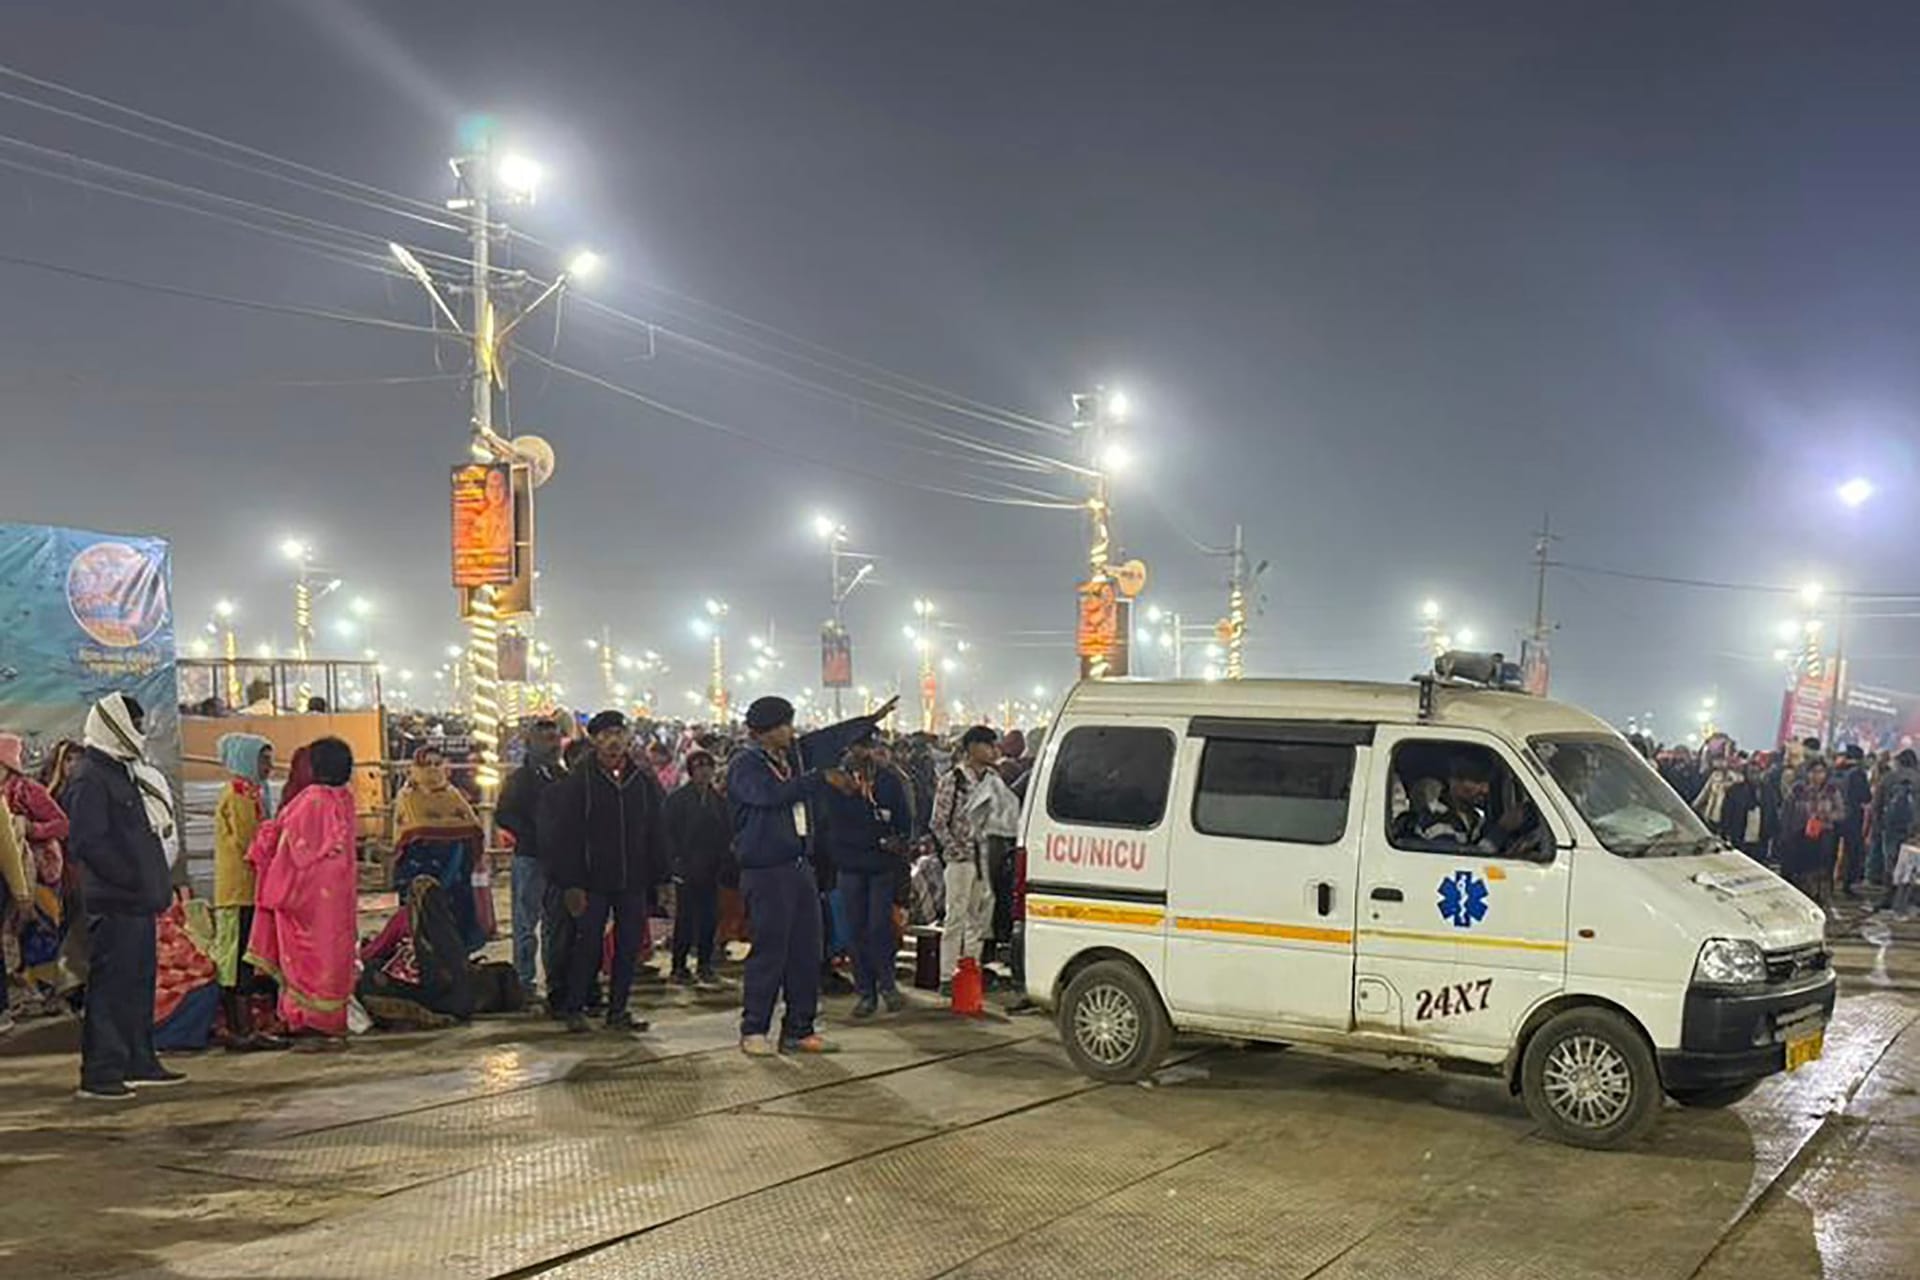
[[437, 833], [414, 973]]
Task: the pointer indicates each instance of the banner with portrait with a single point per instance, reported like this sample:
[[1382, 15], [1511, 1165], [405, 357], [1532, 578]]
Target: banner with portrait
[[82, 615], [483, 541]]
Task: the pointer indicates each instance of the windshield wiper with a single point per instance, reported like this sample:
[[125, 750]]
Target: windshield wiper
[[1688, 847]]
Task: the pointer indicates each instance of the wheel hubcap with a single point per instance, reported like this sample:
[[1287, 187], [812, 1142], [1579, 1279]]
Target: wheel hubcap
[[1106, 1025], [1587, 1082]]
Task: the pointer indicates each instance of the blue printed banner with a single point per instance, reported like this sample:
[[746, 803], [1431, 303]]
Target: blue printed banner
[[83, 614]]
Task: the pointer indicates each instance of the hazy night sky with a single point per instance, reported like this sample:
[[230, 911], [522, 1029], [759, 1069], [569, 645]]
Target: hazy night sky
[[1385, 282]]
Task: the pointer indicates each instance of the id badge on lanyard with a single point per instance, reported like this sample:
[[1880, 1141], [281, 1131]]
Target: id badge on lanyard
[[800, 818]]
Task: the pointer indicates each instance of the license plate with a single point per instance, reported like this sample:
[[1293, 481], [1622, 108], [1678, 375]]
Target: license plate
[[1804, 1049]]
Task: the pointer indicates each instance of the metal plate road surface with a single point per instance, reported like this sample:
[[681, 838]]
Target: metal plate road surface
[[941, 1148]]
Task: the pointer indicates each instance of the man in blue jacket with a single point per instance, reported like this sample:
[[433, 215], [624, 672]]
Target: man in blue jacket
[[865, 832], [769, 787]]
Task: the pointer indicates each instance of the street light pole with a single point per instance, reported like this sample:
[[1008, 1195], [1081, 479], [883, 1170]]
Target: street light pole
[[717, 677], [1237, 609], [1093, 413]]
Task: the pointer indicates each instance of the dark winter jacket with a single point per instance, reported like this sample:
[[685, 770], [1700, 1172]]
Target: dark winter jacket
[[699, 835], [762, 793], [602, 835], [518, 811], [852, 827], [111, 839], [1857, 790]]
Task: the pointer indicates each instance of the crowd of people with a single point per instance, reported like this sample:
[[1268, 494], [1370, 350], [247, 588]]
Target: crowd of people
[[818, 849], [1849, 824]]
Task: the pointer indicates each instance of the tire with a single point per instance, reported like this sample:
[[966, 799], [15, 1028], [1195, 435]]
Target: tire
[[1712, 1099], [1590, 1080], [1113, 1024]]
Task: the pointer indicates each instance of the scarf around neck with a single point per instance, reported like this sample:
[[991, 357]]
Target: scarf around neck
[[110, 731]]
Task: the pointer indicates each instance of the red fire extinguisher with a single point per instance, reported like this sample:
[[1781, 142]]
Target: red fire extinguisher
[[969, 989]]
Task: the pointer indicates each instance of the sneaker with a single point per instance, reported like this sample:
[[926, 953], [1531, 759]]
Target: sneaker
[[104, 1093], [158, 1078], [625, 1021], [756, 1046], [815, 1043], [709, 981], [577, 1024], [894, 1001], [7, 1023], [681, 978], [865, 1007]]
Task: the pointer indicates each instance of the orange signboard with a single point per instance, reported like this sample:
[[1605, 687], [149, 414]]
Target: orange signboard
[[1098, 628], [482, 524]]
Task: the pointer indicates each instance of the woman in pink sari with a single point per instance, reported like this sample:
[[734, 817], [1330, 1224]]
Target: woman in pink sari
[[306, 912]]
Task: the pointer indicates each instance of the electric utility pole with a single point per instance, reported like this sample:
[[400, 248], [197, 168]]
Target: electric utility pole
[[1535, 665], [1237, 609]]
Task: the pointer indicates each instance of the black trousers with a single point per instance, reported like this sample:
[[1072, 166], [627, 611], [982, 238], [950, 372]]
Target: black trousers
[[629, 912], [116, 1040], [696, 914]]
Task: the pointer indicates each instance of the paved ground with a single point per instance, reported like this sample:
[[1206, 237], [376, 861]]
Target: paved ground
[[935, 1148]]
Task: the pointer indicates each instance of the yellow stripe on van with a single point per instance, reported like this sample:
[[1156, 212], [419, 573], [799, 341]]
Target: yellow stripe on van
[[1095, 913], [1465, 940], [1263, 929]]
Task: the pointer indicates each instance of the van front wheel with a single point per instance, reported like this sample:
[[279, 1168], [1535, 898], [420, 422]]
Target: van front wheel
[[1589, 1078], [1112, 1023]]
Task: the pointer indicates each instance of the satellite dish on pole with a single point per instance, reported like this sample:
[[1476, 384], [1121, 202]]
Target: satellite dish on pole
[[537, 454]]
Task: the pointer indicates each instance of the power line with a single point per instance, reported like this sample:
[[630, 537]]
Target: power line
[[1018, 459], [249, 304], [398, 205], [376, 242], [661, 406], [112, 386], [1708, 584], [925, 394], [217, 140], [242, 166], [331, 250]]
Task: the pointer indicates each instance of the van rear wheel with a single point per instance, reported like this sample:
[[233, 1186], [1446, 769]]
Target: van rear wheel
[[1113, 1024], [1590, 1080]]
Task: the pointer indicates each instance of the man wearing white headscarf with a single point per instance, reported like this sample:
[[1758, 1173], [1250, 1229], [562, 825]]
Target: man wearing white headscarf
[[120, 811]]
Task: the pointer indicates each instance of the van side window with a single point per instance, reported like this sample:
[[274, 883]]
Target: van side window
[[1294, 792], [1460, 797], [1108, 776]]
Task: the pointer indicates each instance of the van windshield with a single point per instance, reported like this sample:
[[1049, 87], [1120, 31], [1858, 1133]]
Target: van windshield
[[1633, 812]]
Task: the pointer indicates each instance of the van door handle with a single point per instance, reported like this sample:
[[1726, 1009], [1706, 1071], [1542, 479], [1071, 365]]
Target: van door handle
[[1387, 893], [1323, 897]]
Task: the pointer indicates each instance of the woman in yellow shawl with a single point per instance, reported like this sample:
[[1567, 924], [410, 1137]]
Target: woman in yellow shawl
[[437, 833]]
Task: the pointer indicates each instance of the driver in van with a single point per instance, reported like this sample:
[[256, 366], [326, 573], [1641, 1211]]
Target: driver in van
[[1456, 816]]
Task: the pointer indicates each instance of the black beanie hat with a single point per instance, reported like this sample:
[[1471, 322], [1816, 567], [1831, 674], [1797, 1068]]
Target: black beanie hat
[[769, 712], [606, 720]]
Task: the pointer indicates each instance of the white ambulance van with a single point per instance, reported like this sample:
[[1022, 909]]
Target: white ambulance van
[[1442, 868]]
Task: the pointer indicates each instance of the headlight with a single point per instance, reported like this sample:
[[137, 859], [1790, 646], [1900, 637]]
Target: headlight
[[1730, 962]]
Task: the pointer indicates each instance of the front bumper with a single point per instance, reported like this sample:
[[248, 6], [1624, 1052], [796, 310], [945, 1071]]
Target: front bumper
[[1731, 1037]]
